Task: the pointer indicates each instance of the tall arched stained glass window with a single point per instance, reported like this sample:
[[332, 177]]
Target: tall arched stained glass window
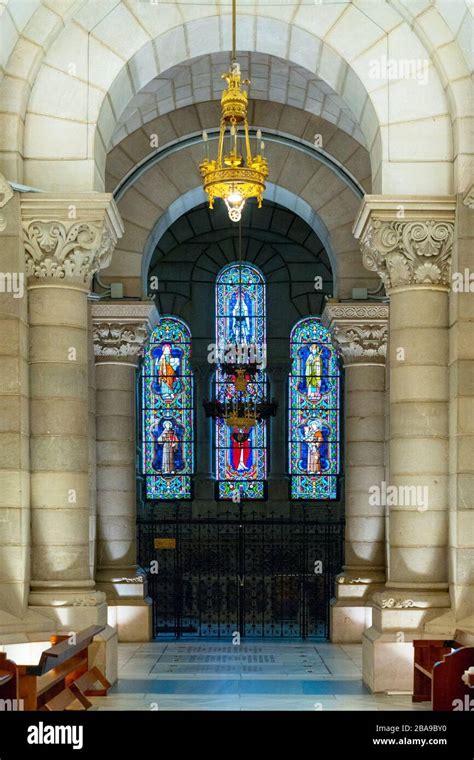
[[167, 403], [241, 466], [314, 419]]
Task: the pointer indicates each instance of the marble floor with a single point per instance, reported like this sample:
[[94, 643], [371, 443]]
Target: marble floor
[[214, 675]]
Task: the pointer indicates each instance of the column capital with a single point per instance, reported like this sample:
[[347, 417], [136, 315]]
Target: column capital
[[68, 238], [407, 240], [360, 329], [120, 330]]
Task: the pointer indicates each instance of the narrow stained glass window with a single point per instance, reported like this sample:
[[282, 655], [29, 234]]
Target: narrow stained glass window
[[314, 416], [167, 402], [241, 465]]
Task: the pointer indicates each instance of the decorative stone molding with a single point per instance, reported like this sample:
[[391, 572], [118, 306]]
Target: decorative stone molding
[[408, 241], [359, 329], [468, 198], [397, 604], [6, 192], [120, 330], [68, 239]]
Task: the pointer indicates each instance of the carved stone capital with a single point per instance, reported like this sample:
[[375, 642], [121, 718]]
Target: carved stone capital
[[120, 330], [68, 239], [360, 329], [407, 241]]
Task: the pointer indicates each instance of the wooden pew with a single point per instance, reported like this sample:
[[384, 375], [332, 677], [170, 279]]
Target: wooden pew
[[439, 667], [8, 680], [62, 679]]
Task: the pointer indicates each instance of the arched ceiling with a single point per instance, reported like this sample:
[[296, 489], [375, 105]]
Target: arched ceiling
[[146, 201], [271, 79], [72, 67], [145, 204], [283, 120]]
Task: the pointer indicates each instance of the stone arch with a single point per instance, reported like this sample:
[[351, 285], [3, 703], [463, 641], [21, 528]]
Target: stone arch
[[312, 189], [331, 37], [196, 196]]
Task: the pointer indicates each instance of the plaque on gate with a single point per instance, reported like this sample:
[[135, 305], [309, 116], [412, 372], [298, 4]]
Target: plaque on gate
[[165, 543]]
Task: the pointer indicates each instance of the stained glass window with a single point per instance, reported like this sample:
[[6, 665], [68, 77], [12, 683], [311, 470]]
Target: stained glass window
[[241, 466], [314, 391], [167, 403]]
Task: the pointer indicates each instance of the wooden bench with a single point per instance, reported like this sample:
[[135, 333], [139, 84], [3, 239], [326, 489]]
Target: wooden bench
[[439, 667], [7, 678], [62, 680]]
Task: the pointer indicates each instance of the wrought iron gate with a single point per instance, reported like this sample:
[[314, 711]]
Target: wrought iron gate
[[268, 577]]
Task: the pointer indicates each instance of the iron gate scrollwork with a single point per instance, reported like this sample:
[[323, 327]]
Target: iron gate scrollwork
[[260, 577]]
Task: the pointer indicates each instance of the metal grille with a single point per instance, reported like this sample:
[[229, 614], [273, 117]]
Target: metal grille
[[270, 577]]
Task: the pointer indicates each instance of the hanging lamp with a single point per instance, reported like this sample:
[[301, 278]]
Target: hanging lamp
[[230, 176]]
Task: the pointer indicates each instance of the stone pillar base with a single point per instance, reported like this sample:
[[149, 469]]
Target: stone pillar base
[[351, 610], [129, 608], [349, 621], [73, 607], [387, 647], [132, 619], [103, 653]]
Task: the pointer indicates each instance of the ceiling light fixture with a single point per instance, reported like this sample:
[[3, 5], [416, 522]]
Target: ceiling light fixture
[[229, 176]]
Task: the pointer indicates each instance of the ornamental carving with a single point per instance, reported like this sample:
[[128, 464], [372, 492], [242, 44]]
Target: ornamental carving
[[359, 329], [468, 198], [6, 192], [92, 600], [344, 579], [69, 252], [397, 603], [362, 343], [360, 310], [409, 253], [119, 340]]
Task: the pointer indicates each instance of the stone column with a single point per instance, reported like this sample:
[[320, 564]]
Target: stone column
[[120, 331], [66, 240], [92, 447], [203, 478], [360, 330], [408, 241], [461, 414], [14, 425], [278, 469]]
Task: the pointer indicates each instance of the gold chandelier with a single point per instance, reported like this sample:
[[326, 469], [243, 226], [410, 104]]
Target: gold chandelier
[[229, 176]]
